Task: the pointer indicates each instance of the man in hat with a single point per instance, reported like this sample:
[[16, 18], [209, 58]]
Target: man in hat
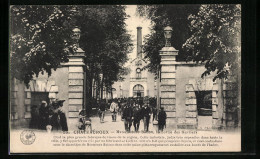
[[161, 119], [128, 116], [137, 117], [44, 115], [34, 117], [102, 109], [113, 110], [146, 113], [58, 116]]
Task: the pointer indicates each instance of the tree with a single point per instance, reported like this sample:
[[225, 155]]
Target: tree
[[106, 42], [162, 15], [215, 39], [39, 39]]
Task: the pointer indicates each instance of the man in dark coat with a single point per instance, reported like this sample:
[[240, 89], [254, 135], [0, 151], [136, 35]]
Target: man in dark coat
[[58, 117], [161, 119], [146, 113], [154, 112], [128, 117], [123, 106], [44, 115], [137, 117], [102, 109], [34, 117]]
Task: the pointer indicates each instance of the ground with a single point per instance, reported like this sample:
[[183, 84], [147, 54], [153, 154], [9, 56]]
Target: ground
[[118, 125]]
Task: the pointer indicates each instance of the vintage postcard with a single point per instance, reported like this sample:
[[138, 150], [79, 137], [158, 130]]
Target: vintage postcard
[[125, 78]]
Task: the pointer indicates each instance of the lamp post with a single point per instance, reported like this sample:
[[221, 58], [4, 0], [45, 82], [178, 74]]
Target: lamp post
[[76, 68], [76, 36], [167, 77], [167, 36]]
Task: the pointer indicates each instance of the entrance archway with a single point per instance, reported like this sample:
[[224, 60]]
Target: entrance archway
[[204, 109], [138, 91]]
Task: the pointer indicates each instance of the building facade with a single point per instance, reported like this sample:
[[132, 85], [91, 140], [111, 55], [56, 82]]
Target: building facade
[[139, 82]]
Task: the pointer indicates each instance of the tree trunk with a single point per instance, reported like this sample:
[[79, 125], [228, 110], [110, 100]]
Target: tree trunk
[[102, 80], [111, 93], [221, 120], [158, 92], [88, 92]]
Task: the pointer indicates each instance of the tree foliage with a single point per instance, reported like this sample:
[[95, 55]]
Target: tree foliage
[[39, 39], [175, 16], [106, 42], [202, 33], [215, 38]]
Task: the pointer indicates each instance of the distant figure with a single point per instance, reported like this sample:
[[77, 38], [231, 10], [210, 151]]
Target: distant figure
[[128, 116], [162, 119], [119, 107], [154, 113], [102, 109], [44, 115], [34, 118], [137, 117], [146, 113], [113, 110], [123, 105]]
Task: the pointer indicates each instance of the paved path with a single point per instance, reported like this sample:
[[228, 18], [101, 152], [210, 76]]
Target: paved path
[[118, 125]]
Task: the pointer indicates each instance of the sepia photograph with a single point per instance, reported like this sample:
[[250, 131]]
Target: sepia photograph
[[125, 78]]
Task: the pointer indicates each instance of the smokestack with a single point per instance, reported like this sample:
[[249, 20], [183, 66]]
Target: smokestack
[[139, 42]]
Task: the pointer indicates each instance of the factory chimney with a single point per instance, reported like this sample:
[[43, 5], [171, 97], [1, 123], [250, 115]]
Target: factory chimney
[[139, 42]]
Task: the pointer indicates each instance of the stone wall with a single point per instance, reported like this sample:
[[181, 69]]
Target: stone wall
[[65, 83], [21, 96], [168, 83], [230, 94], [185, 74]]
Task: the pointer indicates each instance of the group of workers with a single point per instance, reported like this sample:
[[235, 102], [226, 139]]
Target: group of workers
[[133, 112], [49, 116]]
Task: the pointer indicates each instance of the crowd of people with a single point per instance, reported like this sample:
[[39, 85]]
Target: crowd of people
[[49, 116], [132, 111]]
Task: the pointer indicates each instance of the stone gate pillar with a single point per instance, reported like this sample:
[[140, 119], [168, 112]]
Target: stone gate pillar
[[76, 83], [167, 77]]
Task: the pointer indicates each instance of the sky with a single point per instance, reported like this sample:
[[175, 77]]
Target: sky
[[133, 22]]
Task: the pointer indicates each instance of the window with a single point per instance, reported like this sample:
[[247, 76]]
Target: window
[[138, 63], [204, 102]]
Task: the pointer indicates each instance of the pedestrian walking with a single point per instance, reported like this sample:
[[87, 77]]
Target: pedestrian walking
[[146, 113], [102, 109], [154, 112], [113, 110], [137, 117], [128, 117], [119, 107], [123, 105], [162, 116]]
